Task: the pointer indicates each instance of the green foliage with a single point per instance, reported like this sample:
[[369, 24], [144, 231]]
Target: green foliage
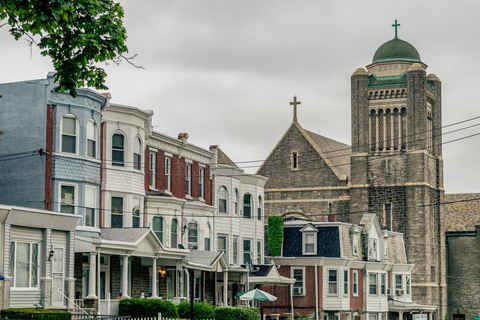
[[76, 34], [275, 235], [229, 313], [200, 310], [37, 314], [300, 317], [41, 301], [142, 308]]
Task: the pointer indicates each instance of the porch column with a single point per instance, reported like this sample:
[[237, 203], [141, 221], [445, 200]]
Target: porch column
[[225, 288], [430, 314], [154, 278], [92, 275], [400, 315], [125, 277]]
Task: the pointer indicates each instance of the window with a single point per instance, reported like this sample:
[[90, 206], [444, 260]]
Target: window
[[168, 167], [247, 256], [118, 149], [235, 200], [407, 284], [259, 252], [355, 282], [372, 249], [309, 243], [137, 154], [299, 285], [69, 134], [90, 205], [188, 179], [332, 281], [223, 245], [222, 199], [136, 214], [201, 177], [67, 196], [153, 156], [398, 282], [385, 248], [91, 139], [345, 282], [294, 160], [247, 206], [173, 240], [196, 284], [372, 278], [259, 213], [207, 237], [117, 212], [192, 235], [432, 273], [355, 244], [157, 227], [387, 216], [372, 316], [24, 264], [383, 284], [235, 250]]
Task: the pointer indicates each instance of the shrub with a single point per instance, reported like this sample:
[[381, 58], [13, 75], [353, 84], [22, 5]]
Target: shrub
[[229, 313], [142, 308], [200, 310], [275, 235], [32, 313]]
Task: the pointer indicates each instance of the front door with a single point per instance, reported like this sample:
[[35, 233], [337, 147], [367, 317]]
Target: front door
[[458, 316], [58, 281]]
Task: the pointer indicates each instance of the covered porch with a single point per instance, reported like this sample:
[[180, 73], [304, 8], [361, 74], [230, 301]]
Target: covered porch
[[399, 310]]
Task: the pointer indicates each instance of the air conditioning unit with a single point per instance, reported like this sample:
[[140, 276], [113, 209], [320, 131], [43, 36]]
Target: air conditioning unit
[[399, 292], [389, 292], [297, 290]]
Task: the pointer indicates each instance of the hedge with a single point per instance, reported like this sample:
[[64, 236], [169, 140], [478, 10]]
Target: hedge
[[142, 308], [230, 313], [275, 235], [33, 313], [200, 310]]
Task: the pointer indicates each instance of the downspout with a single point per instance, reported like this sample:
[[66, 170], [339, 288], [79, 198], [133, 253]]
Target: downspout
[[446, 276], [316, 292], [98, 279]]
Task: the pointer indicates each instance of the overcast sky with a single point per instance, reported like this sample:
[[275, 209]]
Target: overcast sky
[[225, 71]]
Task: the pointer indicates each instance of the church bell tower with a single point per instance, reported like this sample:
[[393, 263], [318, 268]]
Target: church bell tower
[[396, 161]]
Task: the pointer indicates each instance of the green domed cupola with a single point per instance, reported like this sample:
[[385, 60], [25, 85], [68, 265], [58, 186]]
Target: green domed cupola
[[396, 49]]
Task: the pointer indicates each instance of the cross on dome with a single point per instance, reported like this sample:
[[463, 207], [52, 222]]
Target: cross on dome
[[396, 25]]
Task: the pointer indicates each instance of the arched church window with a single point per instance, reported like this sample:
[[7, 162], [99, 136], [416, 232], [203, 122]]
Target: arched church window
[[373, 131], [388, 133], [396, 125], [381, 138], [403, 115]]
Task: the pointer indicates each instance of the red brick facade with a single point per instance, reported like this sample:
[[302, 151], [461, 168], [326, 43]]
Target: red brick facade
[[208, 186], [178, 176], [195, 180], [160, 170], [49, 158], [356, 302], [147, 168]]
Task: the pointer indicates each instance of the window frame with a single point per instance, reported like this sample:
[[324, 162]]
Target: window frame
[[372, 285], [373, 249], [383, 284], [294, 160], [137, 154], [137, 217], [259, 252], [292, 275], [408, 284], [93, 208], [224, 250], [75, 197], [201, 182], [117, 214], [192, 244], [388, 215], [346, 282], [188, 179], [355, 244], [355, 283], [223, 192], [235, 201], [305, 235], [235, 250], [168, 173], [152, 166], [174, 235], [329, 282], [160, 233], [94, 142], [249, 206], [70, 116], [245, 241], [118, 150], [13, 264], [259, 208]]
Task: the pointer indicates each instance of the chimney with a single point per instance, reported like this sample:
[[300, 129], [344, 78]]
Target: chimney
[[184, 138]]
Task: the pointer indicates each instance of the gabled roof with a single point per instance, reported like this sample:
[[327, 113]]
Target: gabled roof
[[222, 158], [462, 211], [368, 221], [207, 260], [268, 275], [334, 153]]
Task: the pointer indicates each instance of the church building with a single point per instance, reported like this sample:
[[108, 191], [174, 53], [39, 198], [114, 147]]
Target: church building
[[393, 168]]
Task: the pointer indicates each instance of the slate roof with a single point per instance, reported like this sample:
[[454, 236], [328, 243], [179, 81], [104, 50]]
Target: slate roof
[[222, 158], [461, 213], [336, 152], [123, 234], [328, 242], [206, 258], [261, 270]]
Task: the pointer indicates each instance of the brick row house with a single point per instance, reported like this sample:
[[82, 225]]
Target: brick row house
[[345, 271], [133, 206]]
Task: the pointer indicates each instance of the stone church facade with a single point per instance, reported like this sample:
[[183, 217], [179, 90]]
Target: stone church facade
[[394, 166]]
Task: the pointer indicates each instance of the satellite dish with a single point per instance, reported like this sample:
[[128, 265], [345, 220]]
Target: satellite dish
[[180, 246]]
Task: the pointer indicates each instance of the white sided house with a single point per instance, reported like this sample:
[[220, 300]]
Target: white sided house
[[37, 258]]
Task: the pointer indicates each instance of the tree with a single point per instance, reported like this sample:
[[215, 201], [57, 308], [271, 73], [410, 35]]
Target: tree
[[76, 34]]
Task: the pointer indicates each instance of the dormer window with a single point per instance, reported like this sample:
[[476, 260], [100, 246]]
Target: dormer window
[[372, 249], [355, 244], [309, 240], [385, 248]]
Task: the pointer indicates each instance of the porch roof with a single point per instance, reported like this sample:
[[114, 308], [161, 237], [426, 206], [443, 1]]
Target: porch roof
[[397, 306], [140, 242], [268, 275], [207, 260]]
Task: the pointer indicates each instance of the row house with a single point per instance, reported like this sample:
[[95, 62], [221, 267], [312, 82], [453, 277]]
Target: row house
[[50, 156], [346, 272]]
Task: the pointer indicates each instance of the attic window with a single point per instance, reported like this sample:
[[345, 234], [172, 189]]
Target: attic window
[[372, 249], [309, 240], [294, 158]]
